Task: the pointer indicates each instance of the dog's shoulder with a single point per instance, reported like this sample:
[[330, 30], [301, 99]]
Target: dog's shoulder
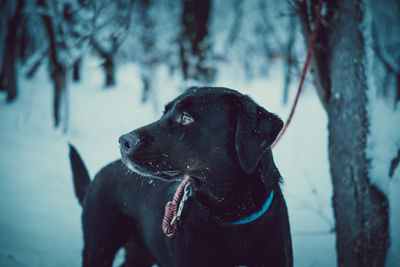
[[112, 176]]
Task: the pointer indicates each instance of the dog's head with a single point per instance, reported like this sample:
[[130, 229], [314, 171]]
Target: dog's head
[[206, 133]]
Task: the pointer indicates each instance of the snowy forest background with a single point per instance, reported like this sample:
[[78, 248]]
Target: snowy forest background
[[86, 71]]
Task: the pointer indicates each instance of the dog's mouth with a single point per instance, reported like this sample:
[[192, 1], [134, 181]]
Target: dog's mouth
[[172, 173], [166, 175]]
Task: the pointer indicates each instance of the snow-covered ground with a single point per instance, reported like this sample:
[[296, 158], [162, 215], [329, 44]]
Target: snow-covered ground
[[39, 214]]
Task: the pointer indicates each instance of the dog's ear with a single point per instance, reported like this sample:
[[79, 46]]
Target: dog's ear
[[255, 132]]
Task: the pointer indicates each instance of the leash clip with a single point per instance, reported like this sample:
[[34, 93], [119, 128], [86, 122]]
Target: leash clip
[[181, 204]]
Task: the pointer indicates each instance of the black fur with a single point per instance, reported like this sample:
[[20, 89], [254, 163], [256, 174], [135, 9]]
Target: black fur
[[225, 149], [79, 173]]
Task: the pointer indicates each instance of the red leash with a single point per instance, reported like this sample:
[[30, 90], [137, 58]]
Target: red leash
[[173, 209], [310, 48]]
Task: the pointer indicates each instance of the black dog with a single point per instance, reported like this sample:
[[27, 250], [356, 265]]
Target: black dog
[[198, 187]]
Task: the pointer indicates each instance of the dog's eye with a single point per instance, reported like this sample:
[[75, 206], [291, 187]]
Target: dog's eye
[[185, 119]]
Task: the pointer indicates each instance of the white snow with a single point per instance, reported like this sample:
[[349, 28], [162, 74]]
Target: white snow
[[40, 216], [383, 141]]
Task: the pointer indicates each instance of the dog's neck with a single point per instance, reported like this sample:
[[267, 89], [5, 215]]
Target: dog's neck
[[247, 195]]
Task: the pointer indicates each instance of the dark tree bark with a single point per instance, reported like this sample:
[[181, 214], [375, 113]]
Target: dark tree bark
[[360, 208], [148, 43], [146, 87], [289, 63], [76, 72], [59, 80], [35, 66], [8, 74], [237, 23], [115, 41], [108, 63], [394, 164], [58, 70], [23, 39], [109, 69], [194, 42]]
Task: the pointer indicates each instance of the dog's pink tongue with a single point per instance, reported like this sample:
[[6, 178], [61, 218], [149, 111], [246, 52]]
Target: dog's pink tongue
[[170, 222]]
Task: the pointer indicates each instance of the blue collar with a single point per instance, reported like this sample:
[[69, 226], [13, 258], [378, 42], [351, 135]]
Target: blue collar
[[255, 215]]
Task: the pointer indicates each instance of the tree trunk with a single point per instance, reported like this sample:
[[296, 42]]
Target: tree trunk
[[58, 69], [109, 70], [147, 39], [288, 66], [361, 210], [108, 63], [194, 41], [8, 75], [76, 73], [59, 81], [146, 87]]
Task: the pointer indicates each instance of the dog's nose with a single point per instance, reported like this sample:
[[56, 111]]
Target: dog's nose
[[128, 142]]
